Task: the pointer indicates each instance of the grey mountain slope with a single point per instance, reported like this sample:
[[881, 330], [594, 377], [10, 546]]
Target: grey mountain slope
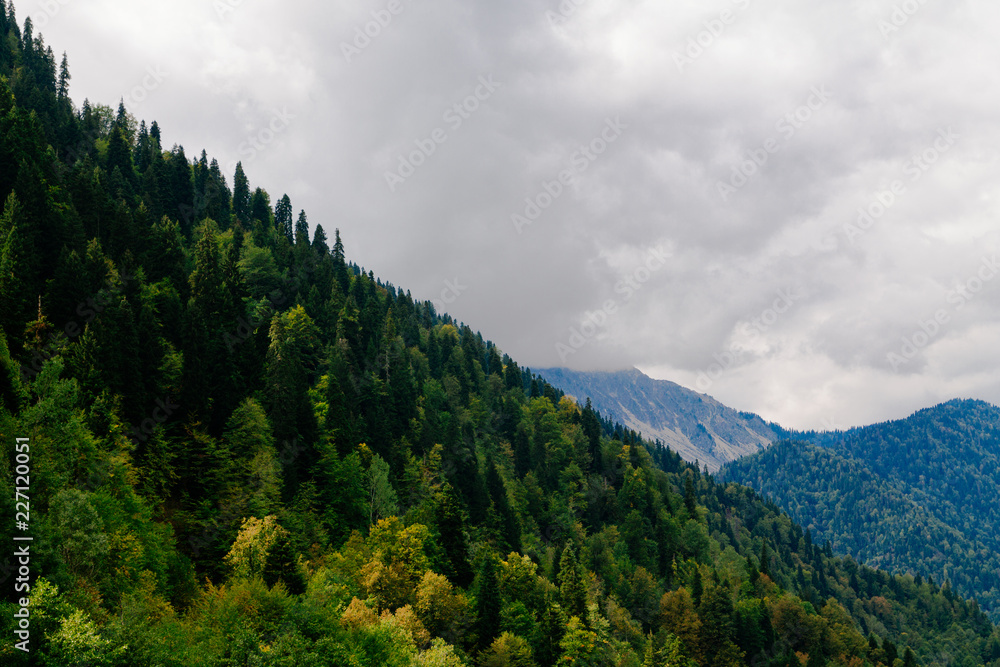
[[694, 425]]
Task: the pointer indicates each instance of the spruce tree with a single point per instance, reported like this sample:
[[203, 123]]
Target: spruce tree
[[16, 269], [319, 243], [765, 560], [572, 586], [890, 651], [241, 196], [302, 230], [488, 603], [283, 218], [451, 526], [260, 207], [120, 154], [64, 77], [552, 626], [281, 565], [340, 272], [690, 501], [697, 587]]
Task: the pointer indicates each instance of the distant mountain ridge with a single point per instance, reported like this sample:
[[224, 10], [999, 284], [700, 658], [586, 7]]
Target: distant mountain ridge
[[918, 494], [696, 426]]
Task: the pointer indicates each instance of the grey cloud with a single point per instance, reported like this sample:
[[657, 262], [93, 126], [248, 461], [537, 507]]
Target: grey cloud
[[657, 184]]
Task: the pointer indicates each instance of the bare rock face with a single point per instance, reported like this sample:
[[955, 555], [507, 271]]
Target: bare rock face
[[694, 425]]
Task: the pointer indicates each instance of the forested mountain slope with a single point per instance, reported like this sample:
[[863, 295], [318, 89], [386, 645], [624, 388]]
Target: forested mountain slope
[[921, 494], [694, 425], [245, 450]]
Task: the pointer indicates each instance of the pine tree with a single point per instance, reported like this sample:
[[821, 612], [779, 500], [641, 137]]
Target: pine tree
[[591, 425], [765, 560], [697, 587], [260, 207], [552, 627], [488, 602], [451, 526], [690, 500], [217, 197], [120, 154], [816, 658], [12, 20], [340, 273], [12, 393], [382, 500], [302, 230], [179, 202], [319, 243], [241, 196], [121, 117], [281, 565], [16, 270], [572, 586], [509, 528], [283, 218], [64, 77], [890, 651]]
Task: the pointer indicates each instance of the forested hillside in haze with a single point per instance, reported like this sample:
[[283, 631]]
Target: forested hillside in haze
[[917, 494], [247, 450]]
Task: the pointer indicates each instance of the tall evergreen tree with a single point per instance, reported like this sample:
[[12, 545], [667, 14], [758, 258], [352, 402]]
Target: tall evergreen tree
[[340, 272], [488, 602], [319, 243], [17, 266], [451, 525], [120, 155], [260, 207], [283, 218], [241, 196], [302, 230], [690, 500], [141, 157], [64, 78], [572, 585]]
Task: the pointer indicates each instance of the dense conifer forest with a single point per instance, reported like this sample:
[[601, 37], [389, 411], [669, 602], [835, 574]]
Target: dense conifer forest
[[247, 450], [917, 495]]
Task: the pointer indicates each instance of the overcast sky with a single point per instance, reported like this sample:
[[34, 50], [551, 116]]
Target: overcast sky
[[697, 167]]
